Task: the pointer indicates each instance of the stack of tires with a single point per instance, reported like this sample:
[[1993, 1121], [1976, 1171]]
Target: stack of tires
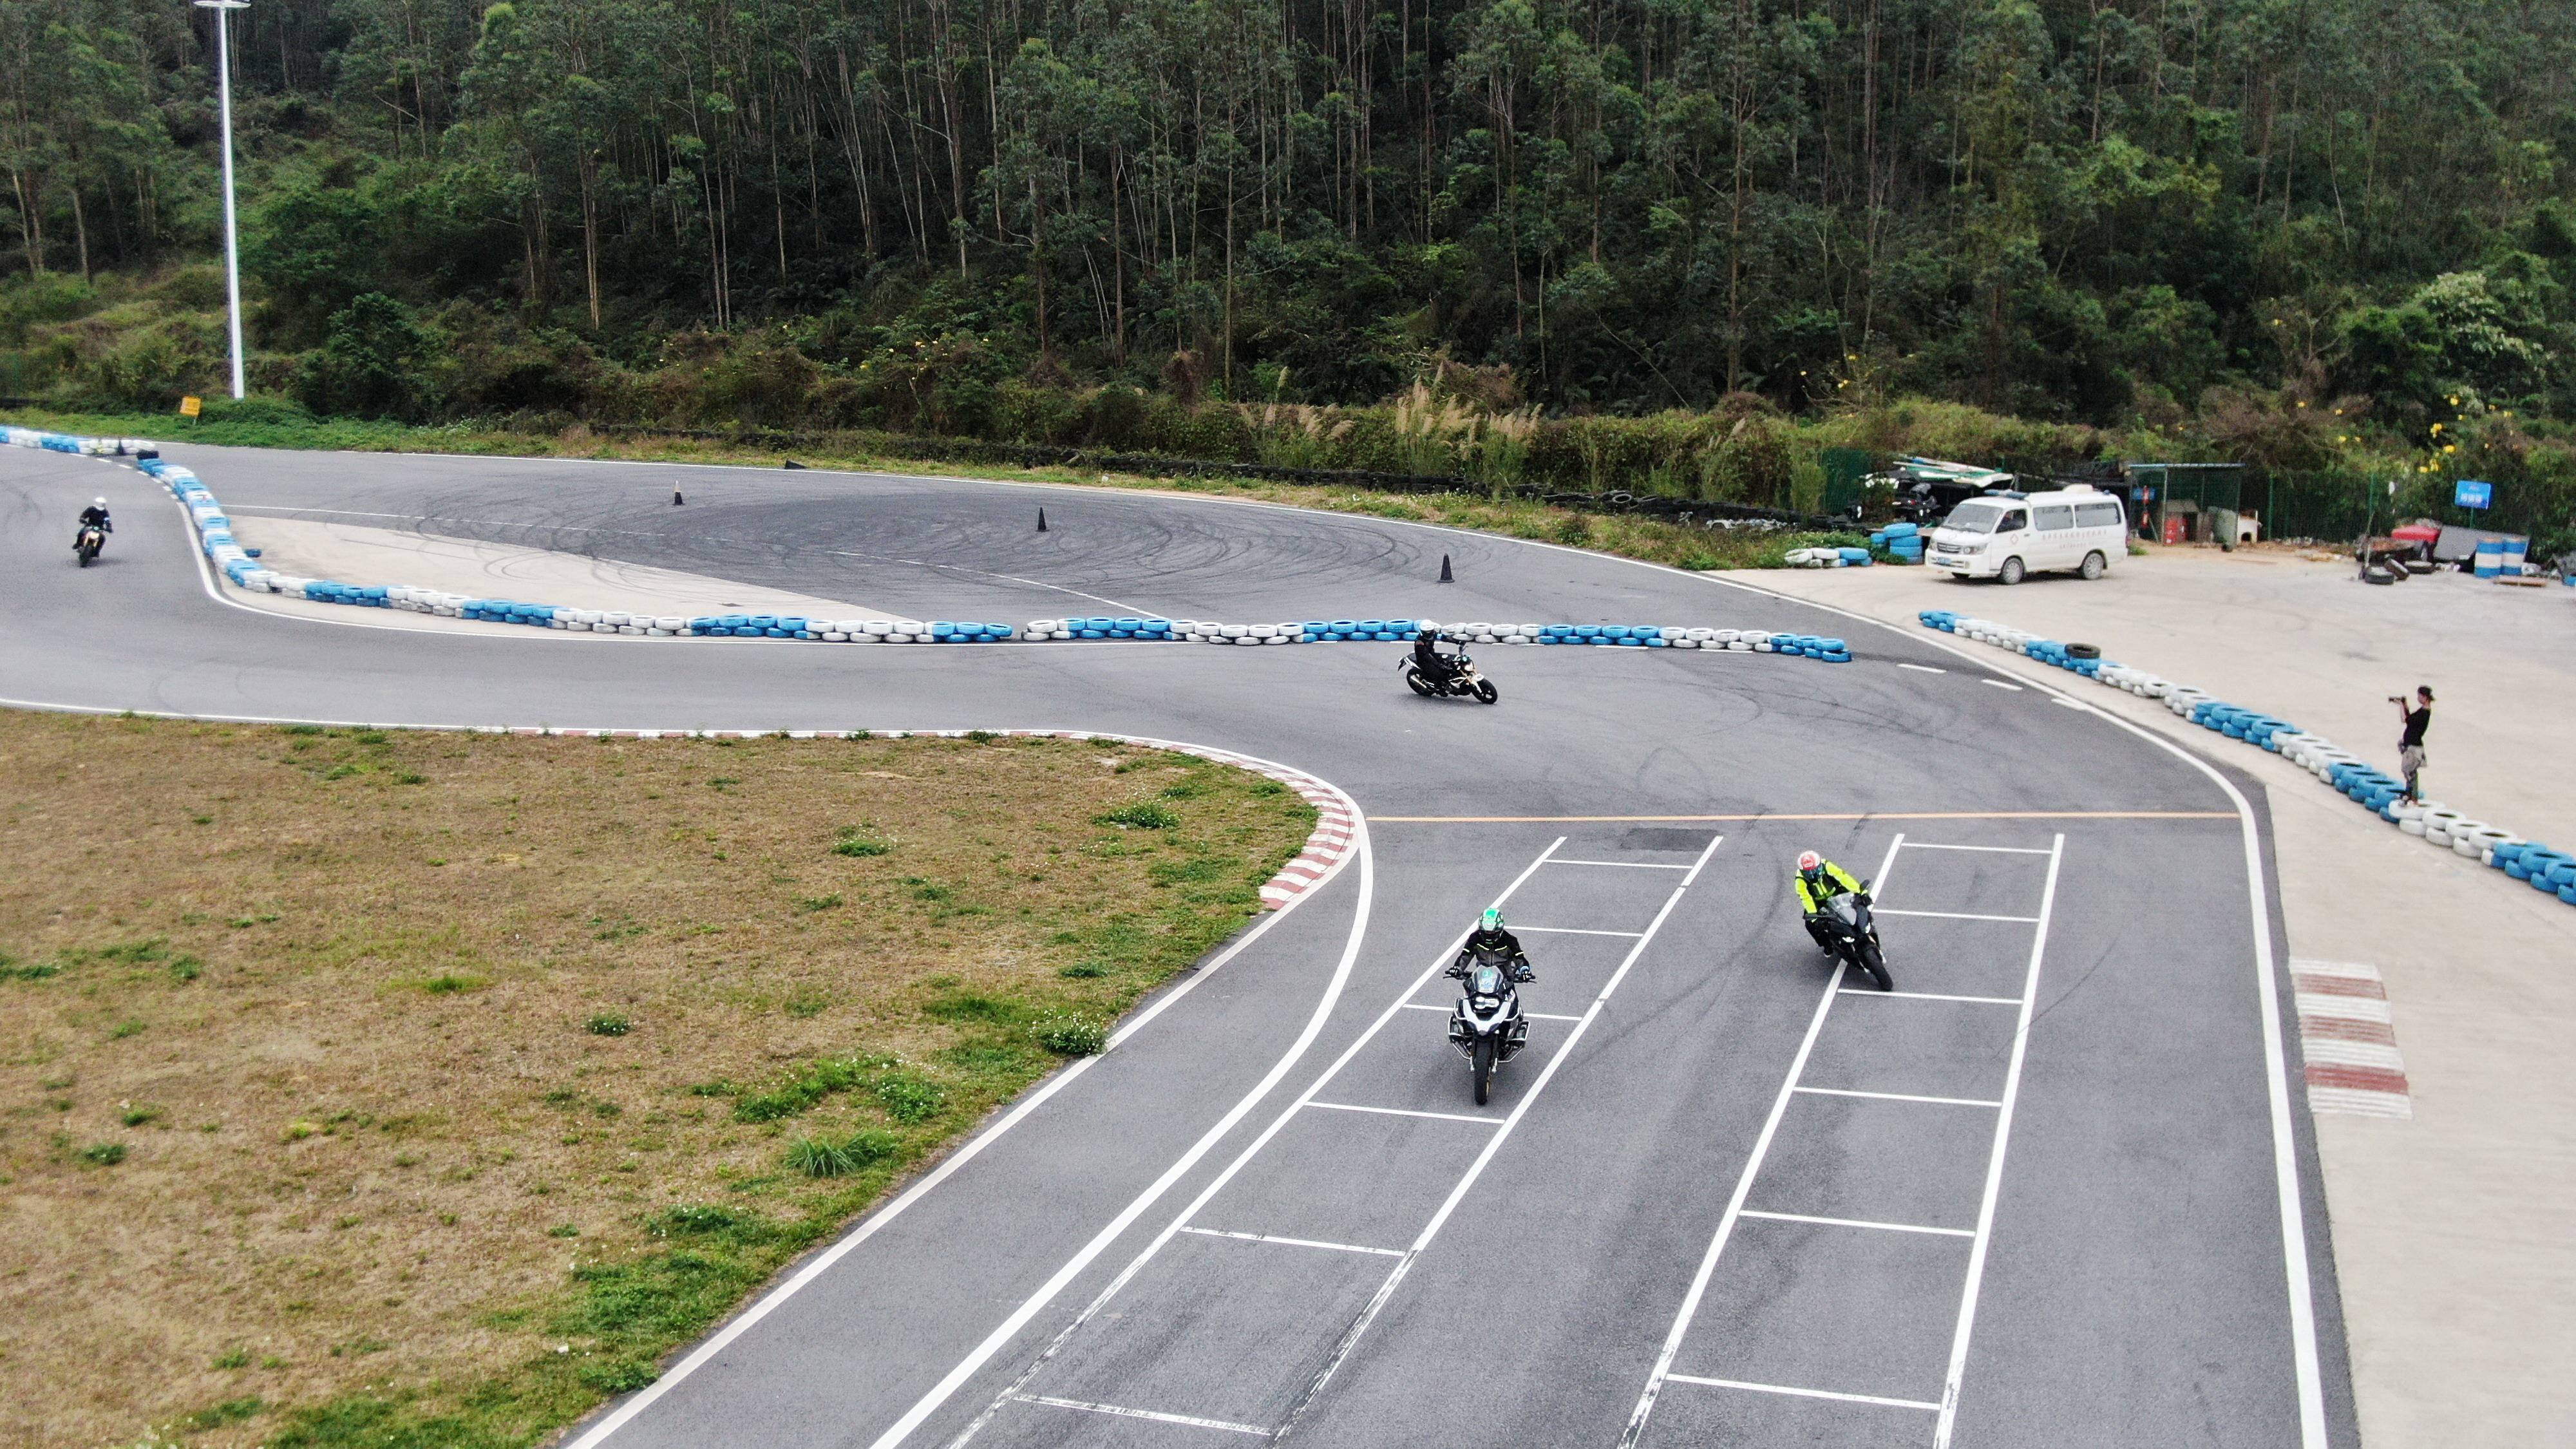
[[1904, 541]]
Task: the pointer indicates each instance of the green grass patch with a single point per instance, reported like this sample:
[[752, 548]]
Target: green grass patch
[[1143, 815]]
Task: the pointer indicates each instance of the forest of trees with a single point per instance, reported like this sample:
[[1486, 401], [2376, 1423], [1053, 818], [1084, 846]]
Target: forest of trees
[[2090, 210]]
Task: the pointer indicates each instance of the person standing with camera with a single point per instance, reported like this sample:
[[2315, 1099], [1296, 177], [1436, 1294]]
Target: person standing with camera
[[2410, 743]]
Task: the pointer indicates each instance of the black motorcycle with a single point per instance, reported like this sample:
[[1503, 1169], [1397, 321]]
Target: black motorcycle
[[1463, 681], [1487, 1027], [88, 542], [1854, 934]]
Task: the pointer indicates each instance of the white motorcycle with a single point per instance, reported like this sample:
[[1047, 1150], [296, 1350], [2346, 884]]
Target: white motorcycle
[[1487, 1027]]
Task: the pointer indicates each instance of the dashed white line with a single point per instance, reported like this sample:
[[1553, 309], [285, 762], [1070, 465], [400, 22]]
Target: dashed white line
[[1799, 1393], [2001, 684], [1987, 849], [1621, 864], [1930, 996], [1857, 1223], [1963, 916], [1293, 1242], [1897, 1096], [1404, 1112], [1576, 931], [1922, 668], [1158, 1416]]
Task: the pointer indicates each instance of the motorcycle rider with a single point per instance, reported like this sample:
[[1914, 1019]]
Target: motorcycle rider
[[1490, 939], [1820, 880], [94, 516], [1435, 666]]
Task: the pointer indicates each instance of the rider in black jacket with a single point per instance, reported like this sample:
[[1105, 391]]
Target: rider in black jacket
[[94, 516], [1435, 666], [1489, 938]]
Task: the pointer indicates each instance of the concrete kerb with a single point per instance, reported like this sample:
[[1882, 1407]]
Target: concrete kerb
[[2376, 790], [239, 566]]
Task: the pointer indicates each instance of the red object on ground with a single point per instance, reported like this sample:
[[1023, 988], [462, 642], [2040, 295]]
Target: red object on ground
[[2417, 533], [2173, 528]]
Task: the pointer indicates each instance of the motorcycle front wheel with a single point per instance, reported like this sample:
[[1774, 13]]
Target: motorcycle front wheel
[[1876, 965], [1484, 1068], [1420, 685], [1485, 691]]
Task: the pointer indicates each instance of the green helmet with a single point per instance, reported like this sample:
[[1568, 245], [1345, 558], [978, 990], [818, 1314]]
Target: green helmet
[[1493, 920]]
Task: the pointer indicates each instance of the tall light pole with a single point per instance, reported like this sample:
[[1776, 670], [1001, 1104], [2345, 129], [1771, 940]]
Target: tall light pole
[[232, 233]]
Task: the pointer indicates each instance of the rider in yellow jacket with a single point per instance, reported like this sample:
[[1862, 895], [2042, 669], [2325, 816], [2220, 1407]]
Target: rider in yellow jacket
[[1820, 880]]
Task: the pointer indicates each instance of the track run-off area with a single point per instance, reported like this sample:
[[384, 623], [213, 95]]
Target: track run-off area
[[2052, 1190]]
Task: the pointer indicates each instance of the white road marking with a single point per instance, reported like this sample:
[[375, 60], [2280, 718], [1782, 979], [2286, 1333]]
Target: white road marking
[[1898, 1096], [1046, 1293], [1963, 916], [1989, 849], [1799, 1393], [1857, 1223], [974, 1362], [1662, 1372], [705, 1352], [1922, 668], [1576, 931], [1931, 996], [1475, 1170], [1995, 1164], [1403, 1112], [2001, 684], [1622, 864], [1293, 1242], [1159, 1417]]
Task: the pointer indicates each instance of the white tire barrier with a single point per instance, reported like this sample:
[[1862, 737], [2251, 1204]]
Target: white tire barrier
[[2438, 825]]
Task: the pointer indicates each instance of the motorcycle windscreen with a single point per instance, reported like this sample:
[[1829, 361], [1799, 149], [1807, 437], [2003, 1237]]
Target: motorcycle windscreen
[[1487, 981], [1844, 909]]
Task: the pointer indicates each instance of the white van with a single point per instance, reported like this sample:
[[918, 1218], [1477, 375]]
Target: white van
[[2004, 536]]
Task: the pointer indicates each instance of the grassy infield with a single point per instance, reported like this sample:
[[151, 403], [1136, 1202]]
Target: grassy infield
[[365, 1089], [1640, 538]]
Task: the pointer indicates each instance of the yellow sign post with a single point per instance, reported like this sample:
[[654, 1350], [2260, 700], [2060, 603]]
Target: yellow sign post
[[189, 407]]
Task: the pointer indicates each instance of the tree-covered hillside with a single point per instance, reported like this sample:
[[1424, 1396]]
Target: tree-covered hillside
[[2091, 210]]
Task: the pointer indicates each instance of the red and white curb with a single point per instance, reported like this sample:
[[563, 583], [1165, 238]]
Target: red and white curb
[[1327, 846], [2349, 1041]]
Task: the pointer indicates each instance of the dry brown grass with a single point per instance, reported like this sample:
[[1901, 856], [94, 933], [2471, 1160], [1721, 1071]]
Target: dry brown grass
[[332, 994]]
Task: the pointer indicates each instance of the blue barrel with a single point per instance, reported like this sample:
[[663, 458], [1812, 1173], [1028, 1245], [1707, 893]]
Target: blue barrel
[[2516, 552], [2490, 557]]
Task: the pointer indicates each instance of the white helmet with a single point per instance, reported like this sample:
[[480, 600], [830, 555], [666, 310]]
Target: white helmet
[[100, 501]]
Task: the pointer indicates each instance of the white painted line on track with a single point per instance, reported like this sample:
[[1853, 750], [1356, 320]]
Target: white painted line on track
[[1857, 1223], [1921, 668], [1986, 849], [1404, 1112], [1622, 864], [1576, 931], [2307, 1369], [1800, 1393], [1662, 1372], [1929, 996], [983, 1353], [616, 1419], [2002, 684], [1292, 1242], [1897, 1096], [1159, 1417], [1995, 1163], [1963, 916], [1386, 1291]]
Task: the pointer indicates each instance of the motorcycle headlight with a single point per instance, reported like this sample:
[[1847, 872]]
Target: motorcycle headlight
[[1488, 1003]]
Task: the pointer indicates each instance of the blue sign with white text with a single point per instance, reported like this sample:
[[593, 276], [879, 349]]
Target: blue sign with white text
[[2470, 493]]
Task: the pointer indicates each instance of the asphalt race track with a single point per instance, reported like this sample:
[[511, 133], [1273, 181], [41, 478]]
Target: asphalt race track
[[2035, 1198]]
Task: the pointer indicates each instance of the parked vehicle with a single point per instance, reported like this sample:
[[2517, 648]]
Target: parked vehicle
[[1855, 938], [88, 542], [2009, 536], [1487, 1027]]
